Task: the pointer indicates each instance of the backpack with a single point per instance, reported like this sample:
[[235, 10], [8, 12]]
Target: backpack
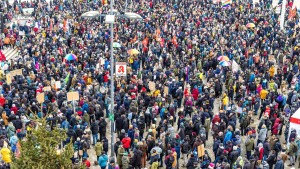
[[295, 148], [170, 160], [185, 147], [279, 99], [207, 123], [277, 147]]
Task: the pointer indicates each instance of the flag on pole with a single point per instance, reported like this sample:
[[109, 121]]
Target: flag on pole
[[145, 41], [67, 78], [292, 13], [226, 3], [65, 25]]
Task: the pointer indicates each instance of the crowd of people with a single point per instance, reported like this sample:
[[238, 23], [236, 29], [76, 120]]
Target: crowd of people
[[225, 83]]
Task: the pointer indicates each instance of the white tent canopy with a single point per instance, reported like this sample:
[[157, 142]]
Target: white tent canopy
[[90, 14], [130, 15]]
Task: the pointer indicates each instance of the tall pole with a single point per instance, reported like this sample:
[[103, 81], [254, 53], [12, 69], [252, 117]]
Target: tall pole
[[112, 82], [282, 16], [126, 3]]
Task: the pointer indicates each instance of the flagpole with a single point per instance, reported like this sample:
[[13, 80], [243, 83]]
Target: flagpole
[[112, 83]]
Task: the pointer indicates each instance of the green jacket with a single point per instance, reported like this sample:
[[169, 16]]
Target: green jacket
[[292, 149], [98, 148], [250, 145]]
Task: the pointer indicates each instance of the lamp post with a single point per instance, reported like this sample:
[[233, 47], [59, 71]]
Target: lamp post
[[110, 18], [112, 82]]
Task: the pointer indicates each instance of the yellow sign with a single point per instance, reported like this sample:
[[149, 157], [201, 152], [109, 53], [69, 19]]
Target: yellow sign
[[151, 86], [47, 88], [16, 72], [40, 97], [72, 96], [8, 79], [166, 90]]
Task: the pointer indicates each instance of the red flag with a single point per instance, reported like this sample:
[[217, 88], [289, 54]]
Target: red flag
[[292, 13], [145, 41], [65, 25], [174, 41], [2, 57], [162, 42]]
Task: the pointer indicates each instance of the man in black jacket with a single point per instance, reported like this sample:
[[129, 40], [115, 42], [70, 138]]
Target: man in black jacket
[[17, 123], [191, 162], [136, 159], [102, 128], [95, 130]]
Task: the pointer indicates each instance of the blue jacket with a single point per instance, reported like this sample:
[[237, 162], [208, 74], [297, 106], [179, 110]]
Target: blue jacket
[[102, 161], [228, 136]]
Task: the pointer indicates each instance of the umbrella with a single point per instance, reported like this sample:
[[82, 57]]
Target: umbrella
[[221, 58], [70, 57], [224, 63], [133, 52], [250, 25], [116, 45]]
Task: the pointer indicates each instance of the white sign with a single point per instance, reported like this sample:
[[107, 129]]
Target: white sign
[[235, 66], [57, 84], [121, 69]]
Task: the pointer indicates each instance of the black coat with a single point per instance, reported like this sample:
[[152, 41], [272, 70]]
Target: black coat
[[190, 164], [94, 128]]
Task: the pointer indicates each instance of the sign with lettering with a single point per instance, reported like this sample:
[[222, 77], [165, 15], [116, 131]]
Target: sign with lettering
[[16, 72], [47, 88], [8, 79], [121, 69], [151, 86], [72, 96], [40, 97]]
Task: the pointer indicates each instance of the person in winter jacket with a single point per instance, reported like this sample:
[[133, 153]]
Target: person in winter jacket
[[98, 148], [6, 154], [125, 160], [136, 159], [279, 163], [191, 161], [262, 134], [102, 160], [261, 151], [126, 141], [121, 152], [228, 135], [95, 130], [271, 160], [154, 164]]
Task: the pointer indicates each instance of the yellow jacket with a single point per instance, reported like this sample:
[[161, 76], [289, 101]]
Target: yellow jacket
[[5, 119], [175, 159], [5, 153], [263, 94], [225, 100], [272, 71]]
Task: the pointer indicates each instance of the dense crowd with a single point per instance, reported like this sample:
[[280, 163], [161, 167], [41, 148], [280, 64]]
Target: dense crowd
[[224, 90]]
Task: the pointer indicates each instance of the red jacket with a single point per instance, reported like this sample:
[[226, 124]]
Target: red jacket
[[261, 153], [14, 109], [126, 142], [2, 101]]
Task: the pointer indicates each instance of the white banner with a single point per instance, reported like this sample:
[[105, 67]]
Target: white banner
[[235, 66], [121, 69]]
